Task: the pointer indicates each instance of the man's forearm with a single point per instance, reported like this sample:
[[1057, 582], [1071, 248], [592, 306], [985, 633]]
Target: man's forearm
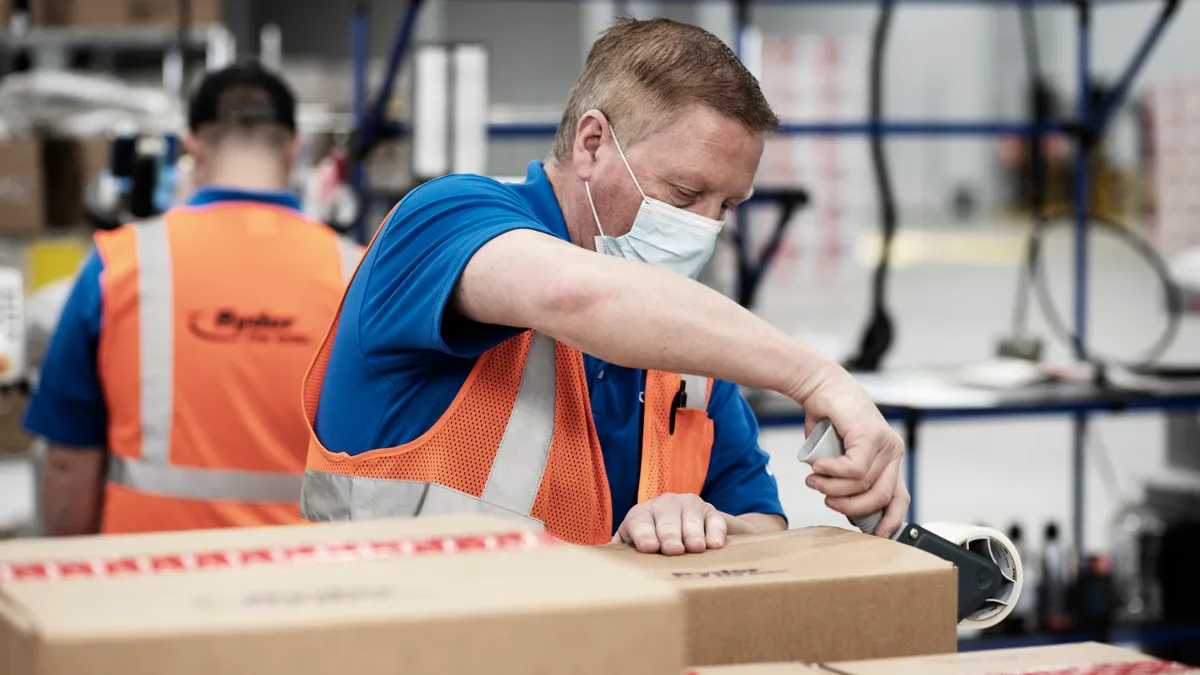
[[71, 489], [630, 313]]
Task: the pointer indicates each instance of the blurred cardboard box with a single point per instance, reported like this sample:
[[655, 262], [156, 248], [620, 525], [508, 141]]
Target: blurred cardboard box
[[123, 13], [811, 595], [70, 163], [1076, 659], [22, 197], [430, 596], [13, 439]]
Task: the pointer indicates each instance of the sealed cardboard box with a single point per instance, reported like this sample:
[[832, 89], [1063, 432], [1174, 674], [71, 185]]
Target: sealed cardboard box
[[1076, 659], [460, 594], [123, 13], [811, 595], [22, 197]]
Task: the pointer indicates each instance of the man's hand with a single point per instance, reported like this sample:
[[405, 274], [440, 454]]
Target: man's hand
[[676, 524], [867, 478]]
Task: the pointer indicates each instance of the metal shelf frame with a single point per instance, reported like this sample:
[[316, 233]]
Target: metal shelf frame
[[1085, 128]]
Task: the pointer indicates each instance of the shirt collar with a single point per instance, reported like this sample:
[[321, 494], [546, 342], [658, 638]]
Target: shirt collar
[[538, 194], [210, 195]]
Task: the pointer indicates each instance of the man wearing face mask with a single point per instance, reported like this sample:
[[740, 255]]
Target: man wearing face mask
[[539, 350]]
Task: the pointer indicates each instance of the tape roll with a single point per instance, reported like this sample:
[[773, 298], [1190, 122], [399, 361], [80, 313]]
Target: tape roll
[[824, 443], [991, 544]]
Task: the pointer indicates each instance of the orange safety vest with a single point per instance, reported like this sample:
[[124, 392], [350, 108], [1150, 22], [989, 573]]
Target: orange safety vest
[[518, 440], [210, 318]]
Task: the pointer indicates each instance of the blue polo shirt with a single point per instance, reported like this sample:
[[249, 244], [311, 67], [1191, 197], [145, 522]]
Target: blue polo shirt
[[68, 406], [400, 357]]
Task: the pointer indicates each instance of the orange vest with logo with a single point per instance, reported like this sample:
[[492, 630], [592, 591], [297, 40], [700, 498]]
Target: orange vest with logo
[[210, 319], [518, 440]]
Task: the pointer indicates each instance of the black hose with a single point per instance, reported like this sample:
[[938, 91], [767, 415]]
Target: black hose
[[879, 334], [1036, 270], [1040, 104]]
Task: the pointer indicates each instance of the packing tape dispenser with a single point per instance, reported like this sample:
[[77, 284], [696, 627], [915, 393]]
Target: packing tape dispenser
[[990, 576]]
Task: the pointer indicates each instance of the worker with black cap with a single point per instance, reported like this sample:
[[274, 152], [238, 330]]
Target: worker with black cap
[[169, 394]]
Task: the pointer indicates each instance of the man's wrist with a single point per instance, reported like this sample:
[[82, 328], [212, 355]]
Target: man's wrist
[[810, 370]]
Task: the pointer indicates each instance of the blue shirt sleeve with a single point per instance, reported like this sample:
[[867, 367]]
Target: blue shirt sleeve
[[414, 264], [68, 406], [738, 481]]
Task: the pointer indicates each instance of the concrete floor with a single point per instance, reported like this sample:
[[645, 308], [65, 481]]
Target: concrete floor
[[951, 300]]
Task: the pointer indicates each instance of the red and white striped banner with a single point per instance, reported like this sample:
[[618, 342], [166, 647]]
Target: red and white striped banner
[[143, 565]]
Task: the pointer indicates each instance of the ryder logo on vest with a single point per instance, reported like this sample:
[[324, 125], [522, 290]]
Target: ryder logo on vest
[[230, 325]]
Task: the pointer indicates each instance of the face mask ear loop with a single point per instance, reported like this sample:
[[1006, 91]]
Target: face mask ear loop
[[627, 167], [587, 187]]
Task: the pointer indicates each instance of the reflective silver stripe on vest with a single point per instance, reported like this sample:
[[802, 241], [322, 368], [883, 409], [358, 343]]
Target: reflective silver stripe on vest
[[525, 448], [350, 252], [512, 484], [334, 497], [204, 484], [156, 300], [697, 391]]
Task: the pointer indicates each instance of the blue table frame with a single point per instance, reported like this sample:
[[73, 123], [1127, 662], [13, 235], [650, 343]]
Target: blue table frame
[[1039, 401]]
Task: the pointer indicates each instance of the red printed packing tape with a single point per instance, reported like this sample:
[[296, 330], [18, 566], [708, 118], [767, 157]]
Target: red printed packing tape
[[144, 565], [1153, 667]]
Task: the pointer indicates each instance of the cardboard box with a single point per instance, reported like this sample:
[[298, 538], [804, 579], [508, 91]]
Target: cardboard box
[[1055, 660], [13, 439], [431, 596], [1076, 659], [70, 163], [22, 197], [123, 13], [812, 595]]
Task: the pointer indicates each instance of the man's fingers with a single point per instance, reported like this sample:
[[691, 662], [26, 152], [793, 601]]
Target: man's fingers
[[694, 525], [639, 530], [878, 497], [893, 516], [668, 526], [715, 528], [735, 525]]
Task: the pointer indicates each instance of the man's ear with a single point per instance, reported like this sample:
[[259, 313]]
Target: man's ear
[[193, 147], [589, 135]]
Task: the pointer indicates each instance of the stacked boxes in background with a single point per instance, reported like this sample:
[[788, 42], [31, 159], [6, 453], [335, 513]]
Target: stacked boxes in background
[[1174, 145], [123, 13], [22, 186], [818, 79]]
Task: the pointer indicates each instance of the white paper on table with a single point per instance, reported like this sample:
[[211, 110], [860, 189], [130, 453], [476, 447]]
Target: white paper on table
[[924, 390]]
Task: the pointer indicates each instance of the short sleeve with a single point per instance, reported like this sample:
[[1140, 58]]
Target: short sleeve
[[417, 259], [739, 481], [68, 406]]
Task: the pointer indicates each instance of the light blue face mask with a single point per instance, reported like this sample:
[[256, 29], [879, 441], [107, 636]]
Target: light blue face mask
[[663, 235]]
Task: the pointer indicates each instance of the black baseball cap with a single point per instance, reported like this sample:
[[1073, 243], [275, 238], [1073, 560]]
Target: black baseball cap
[[207, 104]]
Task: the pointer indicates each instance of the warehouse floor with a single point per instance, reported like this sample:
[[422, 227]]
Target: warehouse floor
[[952, 298]]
